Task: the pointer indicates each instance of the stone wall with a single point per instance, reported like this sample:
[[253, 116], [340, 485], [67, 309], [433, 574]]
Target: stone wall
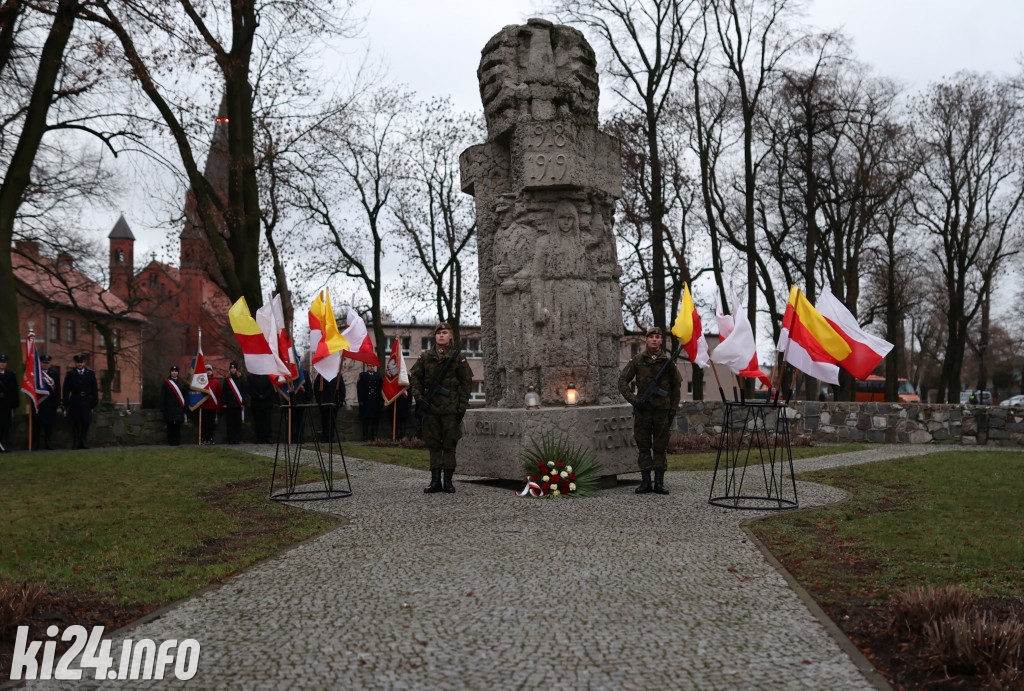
[[144, 427], [888, 423]]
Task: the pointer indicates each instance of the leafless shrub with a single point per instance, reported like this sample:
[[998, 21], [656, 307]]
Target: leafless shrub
[[978, 644], [17, 602], [911, 611]]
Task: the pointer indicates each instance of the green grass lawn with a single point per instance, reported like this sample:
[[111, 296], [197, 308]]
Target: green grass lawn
[[407, 458], [946, 518], [142, 526], [706, 460]]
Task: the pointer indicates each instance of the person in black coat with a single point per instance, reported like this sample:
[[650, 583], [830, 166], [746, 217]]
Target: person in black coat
[[261, 401], [233, 393], [81, 395], [10, 399], [371, 403], [329, 392], [173, 399], [299, 397], [404, 402], [46, 418]]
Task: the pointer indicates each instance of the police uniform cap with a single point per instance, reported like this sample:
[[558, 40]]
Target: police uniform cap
[[209, 368], [3, 357], [655, 330], [174, 368], [443, 326], [234, 364], [79, 358], [45, 358]]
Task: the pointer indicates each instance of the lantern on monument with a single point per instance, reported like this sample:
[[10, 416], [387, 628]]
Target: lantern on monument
[[532, 398], [570, 395]]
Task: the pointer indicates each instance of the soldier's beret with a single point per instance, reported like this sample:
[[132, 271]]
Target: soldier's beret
[[443, 326], [174, 368], [79, 358], [45, 358], [655, 330], [3, 357]]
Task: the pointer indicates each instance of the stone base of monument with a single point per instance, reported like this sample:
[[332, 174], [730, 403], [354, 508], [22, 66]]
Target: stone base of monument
[[493, 438]]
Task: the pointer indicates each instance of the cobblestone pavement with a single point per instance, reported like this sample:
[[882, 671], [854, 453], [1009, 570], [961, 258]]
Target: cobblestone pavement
[[484, 589]]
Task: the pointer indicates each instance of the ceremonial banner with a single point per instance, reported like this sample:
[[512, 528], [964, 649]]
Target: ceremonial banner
[[259, 357], [396, 376], [808, 342], [866, 351]]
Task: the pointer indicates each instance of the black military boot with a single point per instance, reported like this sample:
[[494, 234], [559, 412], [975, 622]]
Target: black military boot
[[645, 482], [435, 481], [659, 482], [448, 486]]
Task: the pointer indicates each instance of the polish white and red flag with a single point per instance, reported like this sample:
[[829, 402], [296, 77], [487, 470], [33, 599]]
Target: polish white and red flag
[[737, 349], [360, 346]]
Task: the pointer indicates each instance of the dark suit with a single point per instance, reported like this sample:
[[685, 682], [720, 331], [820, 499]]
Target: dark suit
[[261, 399], [173, 407], [329, 392], [81, 395], [10, 399], [233, 407], [46, 418], [371, 403]]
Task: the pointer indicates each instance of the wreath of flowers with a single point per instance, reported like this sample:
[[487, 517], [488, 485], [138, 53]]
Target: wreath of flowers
[[558, 468]]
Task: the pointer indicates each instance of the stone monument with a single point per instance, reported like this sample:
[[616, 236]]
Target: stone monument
[[545, 184]]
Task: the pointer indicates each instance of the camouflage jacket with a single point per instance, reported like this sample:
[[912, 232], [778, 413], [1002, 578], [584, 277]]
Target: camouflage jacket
[[641, 370], [458, 380]]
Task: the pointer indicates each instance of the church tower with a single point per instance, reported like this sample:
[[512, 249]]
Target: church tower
[[122, 258]]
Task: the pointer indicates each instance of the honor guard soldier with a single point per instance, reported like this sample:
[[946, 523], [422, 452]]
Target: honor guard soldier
[[173, 399], [81, 395], [10, 399], [655, 399], [46, 418], [441, 382], [233, 391]]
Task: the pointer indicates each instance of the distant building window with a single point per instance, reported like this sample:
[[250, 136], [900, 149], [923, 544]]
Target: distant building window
[[634, 350], [54, 331], [471, 347], [426, 343], [85, 327], [116, 337], [476, 394], [406, 345], [71, 331], [120, 256], [689, 387]]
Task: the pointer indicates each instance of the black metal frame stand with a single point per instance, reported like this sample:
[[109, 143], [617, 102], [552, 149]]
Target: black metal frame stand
[[746, 429], [293, 454]]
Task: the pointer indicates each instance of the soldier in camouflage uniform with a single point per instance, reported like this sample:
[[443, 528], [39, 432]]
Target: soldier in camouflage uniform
[[441, 425], [652, 425]]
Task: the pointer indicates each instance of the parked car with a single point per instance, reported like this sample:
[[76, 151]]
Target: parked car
[[873, 389], [981, 397], [1015, 401]]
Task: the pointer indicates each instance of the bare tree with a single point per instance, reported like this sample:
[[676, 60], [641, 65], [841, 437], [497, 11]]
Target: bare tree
[[436, 222], [967, 197], [644, 40]]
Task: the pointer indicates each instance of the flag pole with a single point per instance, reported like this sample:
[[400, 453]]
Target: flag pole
[[31, 415]]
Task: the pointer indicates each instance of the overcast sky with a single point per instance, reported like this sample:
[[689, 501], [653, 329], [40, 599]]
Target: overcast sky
[[434, 48]]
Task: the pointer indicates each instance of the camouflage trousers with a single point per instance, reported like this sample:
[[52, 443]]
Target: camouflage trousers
[[651, 429], [441, 434]]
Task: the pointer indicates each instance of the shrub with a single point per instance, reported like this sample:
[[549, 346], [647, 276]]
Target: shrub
[[17, 602], [911, 611], [977, 644]]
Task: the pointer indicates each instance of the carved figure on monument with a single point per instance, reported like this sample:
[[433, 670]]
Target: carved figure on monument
[[545, 184]]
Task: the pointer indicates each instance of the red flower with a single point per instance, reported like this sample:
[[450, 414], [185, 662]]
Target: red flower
[[561, 465], [572, 477], [541, 466], [564, 487]]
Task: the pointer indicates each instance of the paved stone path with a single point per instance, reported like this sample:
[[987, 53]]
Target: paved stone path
[[484, 589]]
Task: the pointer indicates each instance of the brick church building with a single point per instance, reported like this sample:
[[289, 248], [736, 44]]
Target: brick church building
[[178, 301]]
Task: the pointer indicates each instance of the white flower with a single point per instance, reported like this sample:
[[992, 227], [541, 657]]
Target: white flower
[[568, 468], [564, 474], [554, 486], [572, 486], [551, 464], [555, 492], [545, 478]]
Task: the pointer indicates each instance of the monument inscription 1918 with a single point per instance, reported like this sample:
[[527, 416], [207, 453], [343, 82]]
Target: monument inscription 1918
[[545, 184]]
